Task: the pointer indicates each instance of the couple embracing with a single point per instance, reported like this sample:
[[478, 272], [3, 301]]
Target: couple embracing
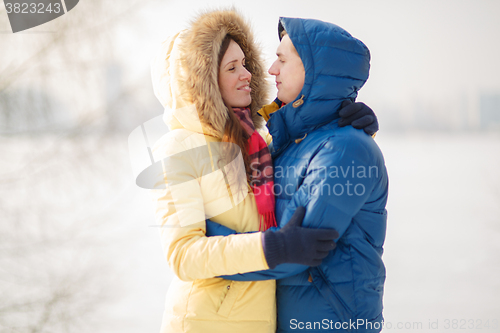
[[273, 218]]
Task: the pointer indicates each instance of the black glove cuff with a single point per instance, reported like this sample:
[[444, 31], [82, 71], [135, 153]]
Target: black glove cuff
[[274, 248]]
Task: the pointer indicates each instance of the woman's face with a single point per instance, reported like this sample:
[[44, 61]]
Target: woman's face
[[234, 79]]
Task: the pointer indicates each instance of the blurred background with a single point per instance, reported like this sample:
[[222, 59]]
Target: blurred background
[[78, 249]]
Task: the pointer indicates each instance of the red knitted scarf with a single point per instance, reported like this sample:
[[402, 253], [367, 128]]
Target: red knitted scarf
[[262, 178]]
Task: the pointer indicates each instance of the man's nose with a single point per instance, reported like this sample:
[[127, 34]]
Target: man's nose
[[273, 69]]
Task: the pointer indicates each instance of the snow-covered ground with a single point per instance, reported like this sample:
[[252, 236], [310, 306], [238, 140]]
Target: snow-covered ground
[[442, 251]]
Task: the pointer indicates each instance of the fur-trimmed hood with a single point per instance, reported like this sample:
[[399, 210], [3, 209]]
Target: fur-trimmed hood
[[185, 73]]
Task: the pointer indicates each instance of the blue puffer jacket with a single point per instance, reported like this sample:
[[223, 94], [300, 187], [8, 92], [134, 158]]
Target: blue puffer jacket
[[339, 175]]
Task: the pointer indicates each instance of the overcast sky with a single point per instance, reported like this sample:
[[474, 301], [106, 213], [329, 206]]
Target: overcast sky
[[426, 54], [426, 49]]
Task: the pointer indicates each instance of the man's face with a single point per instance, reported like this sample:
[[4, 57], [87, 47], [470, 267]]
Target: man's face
[[289, 71]]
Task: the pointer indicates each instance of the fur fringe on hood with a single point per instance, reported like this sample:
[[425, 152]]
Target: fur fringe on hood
[[199, 48]]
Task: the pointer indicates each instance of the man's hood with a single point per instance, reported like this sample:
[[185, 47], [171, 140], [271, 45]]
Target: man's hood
[[336, 66]]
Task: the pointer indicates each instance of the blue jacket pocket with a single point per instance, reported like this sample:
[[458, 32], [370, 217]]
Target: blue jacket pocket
[[327, 290]]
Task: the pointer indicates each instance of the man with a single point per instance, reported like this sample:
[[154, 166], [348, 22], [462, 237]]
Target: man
[[337, 173]]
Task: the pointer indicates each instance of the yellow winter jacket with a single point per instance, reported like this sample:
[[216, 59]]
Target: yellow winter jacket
[[197, 189]]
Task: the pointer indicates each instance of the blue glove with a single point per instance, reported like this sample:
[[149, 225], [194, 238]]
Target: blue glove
[[359, 115], [293, 244]]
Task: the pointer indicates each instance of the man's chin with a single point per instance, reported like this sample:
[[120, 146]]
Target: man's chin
[[281, 97]]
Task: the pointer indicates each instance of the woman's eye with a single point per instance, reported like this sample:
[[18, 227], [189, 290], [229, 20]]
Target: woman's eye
[[232, 68]]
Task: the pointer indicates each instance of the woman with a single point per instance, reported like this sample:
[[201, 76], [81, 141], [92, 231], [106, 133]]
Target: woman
[[211, 82]]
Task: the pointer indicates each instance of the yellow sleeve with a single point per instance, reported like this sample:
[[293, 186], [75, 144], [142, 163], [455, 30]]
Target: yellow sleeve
[[180, 216], [266, 110], [265, 135]]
